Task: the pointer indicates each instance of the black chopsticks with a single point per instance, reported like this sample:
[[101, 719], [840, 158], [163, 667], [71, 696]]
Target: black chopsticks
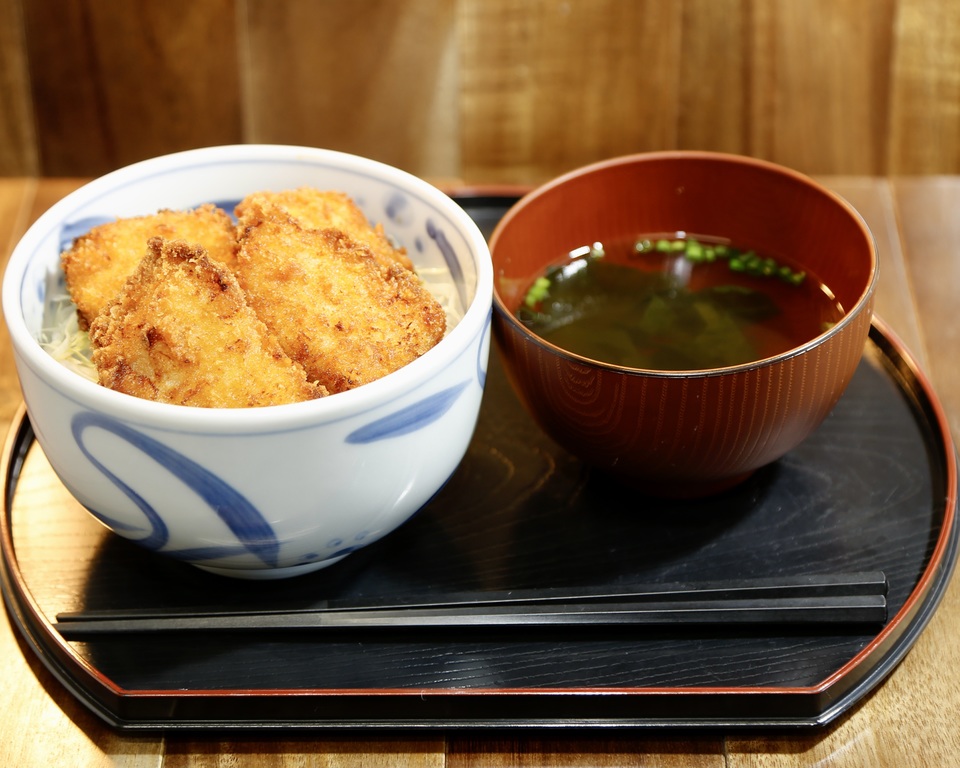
[[857, 598]]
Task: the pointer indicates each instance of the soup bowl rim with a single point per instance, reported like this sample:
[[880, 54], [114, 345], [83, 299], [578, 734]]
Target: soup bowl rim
[[862, 303]]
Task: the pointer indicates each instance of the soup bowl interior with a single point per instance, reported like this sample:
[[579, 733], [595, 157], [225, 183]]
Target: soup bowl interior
[[773, 210], [259, 492], [684, 432]]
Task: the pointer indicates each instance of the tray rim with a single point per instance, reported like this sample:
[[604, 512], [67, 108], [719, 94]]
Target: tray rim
[[813, 705]]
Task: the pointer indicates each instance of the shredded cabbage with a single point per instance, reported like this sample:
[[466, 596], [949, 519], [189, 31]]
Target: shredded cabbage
[[437, 281], [62, 338]]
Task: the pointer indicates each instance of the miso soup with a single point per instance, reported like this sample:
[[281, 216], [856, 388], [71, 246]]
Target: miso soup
[[675, 302]]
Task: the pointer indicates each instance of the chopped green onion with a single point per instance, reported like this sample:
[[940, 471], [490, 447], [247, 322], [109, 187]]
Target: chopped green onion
[[643, 246], [539, 291], [739, 261], [694, 250]]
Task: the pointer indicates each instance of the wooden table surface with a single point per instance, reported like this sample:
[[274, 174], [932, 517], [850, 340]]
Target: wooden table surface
[[911, 719]]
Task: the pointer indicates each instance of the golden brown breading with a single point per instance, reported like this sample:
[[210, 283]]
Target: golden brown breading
[[335, 310], [180, 331], [101, 260], [316, 209]]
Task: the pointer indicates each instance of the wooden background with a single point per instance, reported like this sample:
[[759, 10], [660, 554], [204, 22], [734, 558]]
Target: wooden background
[[483, 90]]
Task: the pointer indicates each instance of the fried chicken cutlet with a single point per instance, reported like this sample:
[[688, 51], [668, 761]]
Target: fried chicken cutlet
[[180, 331], [99, 262], [316, 209], [336, 311]]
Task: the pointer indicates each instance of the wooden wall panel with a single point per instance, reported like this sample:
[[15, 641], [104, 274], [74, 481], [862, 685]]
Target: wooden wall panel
[[484, 90], [819, 68], [374, 77], [546, 86], [18, 151], [925, 89], [715, 76], [118, 82]]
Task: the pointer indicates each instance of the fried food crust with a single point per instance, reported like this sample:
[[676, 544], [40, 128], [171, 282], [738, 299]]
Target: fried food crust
[[318, 209], [180, 331], [335, 309], [99, 262]]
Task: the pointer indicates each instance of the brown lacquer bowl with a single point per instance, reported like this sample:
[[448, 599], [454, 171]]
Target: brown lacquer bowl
[[684, 433]]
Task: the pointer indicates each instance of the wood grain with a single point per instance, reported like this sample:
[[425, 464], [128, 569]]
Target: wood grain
[[15, 197], [818, 69], [931, 230], [908, 721], [335, 752], [44, 726], [18, 151], [22, 200], [690, 751], [715, 89], [883, 731], [600, 78], [924, 126], [377, 78], [484, 90], [113, 84], [874, 199]]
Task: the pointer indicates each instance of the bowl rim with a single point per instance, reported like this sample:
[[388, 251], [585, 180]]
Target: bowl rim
[[863, 303], [287, 417]]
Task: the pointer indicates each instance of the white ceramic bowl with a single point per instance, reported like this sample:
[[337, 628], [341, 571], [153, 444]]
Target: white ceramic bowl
[[258, 492]]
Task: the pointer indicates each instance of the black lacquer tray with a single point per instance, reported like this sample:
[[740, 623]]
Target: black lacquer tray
[[875, 488]]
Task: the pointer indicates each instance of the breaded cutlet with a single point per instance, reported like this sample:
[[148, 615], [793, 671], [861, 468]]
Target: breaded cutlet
[[180, 331], [340, 314], [319, 209], [99, 262]]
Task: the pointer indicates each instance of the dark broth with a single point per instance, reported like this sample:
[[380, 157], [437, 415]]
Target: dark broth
[[661, 310]]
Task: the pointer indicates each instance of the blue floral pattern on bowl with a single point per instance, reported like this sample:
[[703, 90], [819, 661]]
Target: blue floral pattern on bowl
[[256, 495], [254, 534]]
